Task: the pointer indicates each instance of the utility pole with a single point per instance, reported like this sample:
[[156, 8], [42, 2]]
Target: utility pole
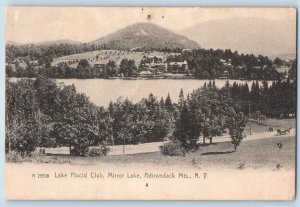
[[249, 117], [112, 138]]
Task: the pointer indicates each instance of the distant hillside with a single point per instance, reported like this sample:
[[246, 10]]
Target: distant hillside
[[57, 42], [64, 41], [145, 35], [104, 56], [247, 35]]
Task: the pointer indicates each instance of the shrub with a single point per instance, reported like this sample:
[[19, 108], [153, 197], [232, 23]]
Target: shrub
[[80, 150], [25, 145], [99, 152], [173, 148], [14, 157]]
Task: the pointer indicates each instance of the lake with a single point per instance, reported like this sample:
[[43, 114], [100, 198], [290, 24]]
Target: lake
[[102, 91]]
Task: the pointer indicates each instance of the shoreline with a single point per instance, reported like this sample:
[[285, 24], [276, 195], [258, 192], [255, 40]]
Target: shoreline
[[155, 78]]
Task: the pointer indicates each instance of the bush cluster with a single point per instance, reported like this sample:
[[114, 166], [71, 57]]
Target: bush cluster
[[174, 148]]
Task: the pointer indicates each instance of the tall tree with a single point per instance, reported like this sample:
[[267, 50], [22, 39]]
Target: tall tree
[[168, 103], [237, 125], [181, 99]]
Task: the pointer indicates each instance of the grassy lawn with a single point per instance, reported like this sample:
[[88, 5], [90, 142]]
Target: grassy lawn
[[263, 153], [275, 123], [105, 55]]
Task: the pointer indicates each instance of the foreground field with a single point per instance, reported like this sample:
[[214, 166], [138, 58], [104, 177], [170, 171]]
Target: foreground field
[[254, 154], [257, 132], [275, 123]]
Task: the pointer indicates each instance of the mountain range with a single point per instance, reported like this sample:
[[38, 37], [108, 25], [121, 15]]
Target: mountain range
[[247, 35], [62, 41]]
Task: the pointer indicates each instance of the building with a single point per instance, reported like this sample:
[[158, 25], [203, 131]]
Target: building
[[145, 74], [154, 64], [174, 54], [19, 63], [178, 67], [186, 50], [34, 62]]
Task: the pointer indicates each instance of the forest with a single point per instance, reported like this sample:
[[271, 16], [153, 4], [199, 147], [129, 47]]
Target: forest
[[41, 113], [275, 99], [212, 64], [202, 63], [46, 53]]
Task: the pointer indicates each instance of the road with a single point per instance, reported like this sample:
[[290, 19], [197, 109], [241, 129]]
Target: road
[[154, 146]]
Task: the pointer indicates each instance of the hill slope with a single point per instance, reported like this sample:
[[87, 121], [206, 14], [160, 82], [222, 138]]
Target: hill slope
[[62, 41], [246, 35], [46, 43], [146, 35]]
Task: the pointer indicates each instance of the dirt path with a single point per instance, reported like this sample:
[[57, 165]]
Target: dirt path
[[154, 146], [255, 136]]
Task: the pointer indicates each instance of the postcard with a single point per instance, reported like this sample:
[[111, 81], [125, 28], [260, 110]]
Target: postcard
[[150, 103]]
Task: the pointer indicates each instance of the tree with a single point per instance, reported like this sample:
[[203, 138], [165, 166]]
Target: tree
[[278, 61], [112, 68], [22, 124], [84, 69], [9, 70], [236, 127], [181, 99], [47, 92], [168, 103], [128, 68], [185, 135], [185, 130], [64, 134], [123, 122], [111, 121], [162, 103], [25, 142], [293, 70], [76, 121]]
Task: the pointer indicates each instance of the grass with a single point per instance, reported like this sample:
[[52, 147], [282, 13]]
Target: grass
[[263, 153], [106, 55], [275, 123]]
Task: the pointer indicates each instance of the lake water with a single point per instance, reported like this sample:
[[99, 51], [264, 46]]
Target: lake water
[[102, 91]]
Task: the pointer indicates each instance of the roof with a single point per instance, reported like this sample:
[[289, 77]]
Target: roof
[[145, 73], [178, 63]]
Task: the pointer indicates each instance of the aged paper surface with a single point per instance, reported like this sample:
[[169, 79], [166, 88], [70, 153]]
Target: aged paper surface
[[152, 103]]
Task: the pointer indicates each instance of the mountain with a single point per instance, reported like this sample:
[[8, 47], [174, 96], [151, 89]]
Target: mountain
[[57, 42], [146, 35], [247, 35]]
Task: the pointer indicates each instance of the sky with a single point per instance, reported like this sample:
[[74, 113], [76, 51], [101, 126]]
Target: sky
[[84, 24]]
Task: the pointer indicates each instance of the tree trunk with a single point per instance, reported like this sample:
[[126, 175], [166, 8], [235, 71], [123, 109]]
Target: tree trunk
[[70, 148], [210, 140], [235, 147], [203, 139], [124, 144]]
